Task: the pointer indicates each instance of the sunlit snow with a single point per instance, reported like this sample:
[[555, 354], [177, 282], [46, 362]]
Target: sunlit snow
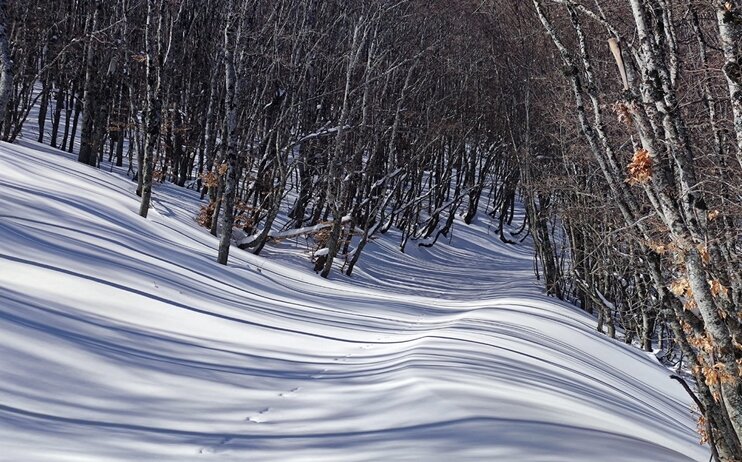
[[122, 339]]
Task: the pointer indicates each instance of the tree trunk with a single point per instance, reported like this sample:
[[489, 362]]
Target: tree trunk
[[6, 65], [154, 104], [58, 106], [230, 122], [89, 103]]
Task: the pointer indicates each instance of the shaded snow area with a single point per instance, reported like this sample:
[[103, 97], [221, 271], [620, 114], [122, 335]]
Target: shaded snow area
[[121, 339]]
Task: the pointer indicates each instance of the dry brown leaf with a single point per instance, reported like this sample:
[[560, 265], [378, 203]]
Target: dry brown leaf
[[205, 215], [717, 374], [658, 248], [623, 110], [640, 168], [210, 179], [705, 255], [701, 429], [718, 289], [680, 287]]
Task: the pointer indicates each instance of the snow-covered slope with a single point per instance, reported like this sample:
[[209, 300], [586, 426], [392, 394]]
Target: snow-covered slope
[[121, 339]]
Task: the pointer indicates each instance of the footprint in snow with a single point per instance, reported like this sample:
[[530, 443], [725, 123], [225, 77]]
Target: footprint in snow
[[216, 449], [259, 417], [287, 394]]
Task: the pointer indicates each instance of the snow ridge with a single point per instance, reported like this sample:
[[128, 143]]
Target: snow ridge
[[121, 339]]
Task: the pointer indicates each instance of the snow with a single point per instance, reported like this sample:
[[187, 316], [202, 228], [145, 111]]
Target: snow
[[122, 340], [307, 230], [322, 252]]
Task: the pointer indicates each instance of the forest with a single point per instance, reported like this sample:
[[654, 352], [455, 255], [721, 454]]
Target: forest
[[615, 124]]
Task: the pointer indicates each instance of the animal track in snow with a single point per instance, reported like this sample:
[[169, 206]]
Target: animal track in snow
[[259, 417], [217, 448], [287, 394]]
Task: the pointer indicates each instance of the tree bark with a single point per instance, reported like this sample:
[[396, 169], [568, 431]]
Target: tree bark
[[154, 103], [230, 122], [6, 65]]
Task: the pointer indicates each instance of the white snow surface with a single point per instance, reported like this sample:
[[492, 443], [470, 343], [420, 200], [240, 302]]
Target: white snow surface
[[121, 339]]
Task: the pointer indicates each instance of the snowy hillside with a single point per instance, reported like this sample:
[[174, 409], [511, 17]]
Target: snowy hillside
[[122, 339]]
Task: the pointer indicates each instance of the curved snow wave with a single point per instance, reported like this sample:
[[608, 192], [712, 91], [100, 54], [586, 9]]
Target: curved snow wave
[[122, 340]]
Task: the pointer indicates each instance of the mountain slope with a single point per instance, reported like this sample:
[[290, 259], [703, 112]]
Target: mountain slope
[[122, 339]]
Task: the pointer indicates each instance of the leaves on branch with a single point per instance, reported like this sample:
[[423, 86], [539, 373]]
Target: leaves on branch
[[703, 251], [640, 168], [717, 374], [718, 289], [205, 215], [702, 425], [623, 111], [680, 287]]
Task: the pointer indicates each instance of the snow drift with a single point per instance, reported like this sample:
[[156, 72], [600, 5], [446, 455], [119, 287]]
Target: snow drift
[[122, 339]]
